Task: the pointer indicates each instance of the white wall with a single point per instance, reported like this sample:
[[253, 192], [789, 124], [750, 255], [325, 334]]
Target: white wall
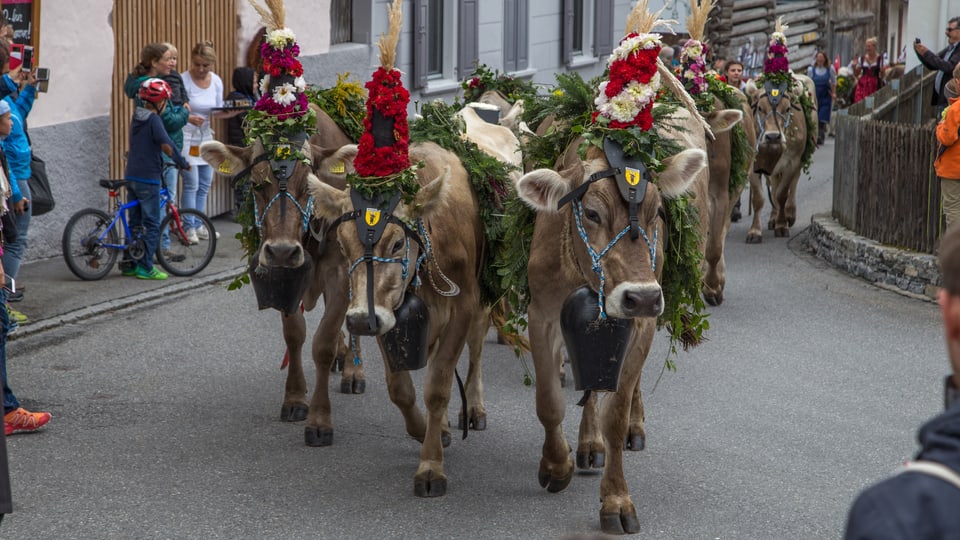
[[309, 20]]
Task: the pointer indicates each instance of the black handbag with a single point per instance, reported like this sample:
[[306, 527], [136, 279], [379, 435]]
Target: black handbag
[[41, 197]]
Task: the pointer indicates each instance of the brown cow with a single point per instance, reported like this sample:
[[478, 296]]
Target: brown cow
[[286, 245], [560, 263], [721, 122], [447, 206], [781, 139]]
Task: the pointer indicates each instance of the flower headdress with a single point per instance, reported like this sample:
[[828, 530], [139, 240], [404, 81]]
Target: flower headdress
[[777, 67], [281, 116], [693, 54], [382, 162]]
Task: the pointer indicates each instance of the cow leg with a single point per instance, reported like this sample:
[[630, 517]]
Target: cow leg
[[352, 380], [556, 464], [590, 441], [294, 406], [319, 428], [617, 513], [476, 411], [714, 277], [778, 218], [430, 479], [755, 234], [790, 205], [403, 395], [636, 432]]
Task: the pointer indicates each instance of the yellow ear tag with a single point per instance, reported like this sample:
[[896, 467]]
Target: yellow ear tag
[[337, 168], [224, 167]]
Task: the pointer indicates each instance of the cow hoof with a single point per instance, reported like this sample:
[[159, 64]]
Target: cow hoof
[[735, 216], [781, 232], [622, 523], [445, 439], [478, 421], [429, 487], [635, 442], [754, 238], [293, 413], [553, 484], [590, 460], [791, 221], [713, 299], [315, 436]]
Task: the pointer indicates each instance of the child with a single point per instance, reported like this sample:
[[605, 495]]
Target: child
[[148, 141], [947, 164]]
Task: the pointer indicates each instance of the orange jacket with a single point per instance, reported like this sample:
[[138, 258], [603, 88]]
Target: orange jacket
[[948, 158]]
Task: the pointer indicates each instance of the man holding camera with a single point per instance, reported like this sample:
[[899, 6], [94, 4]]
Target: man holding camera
[[923, 500], [943, 62]]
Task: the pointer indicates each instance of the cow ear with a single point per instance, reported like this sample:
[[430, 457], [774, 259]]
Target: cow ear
[[430, 196], [332, 165], [724, 120], [329, 202], [227, 160], [542, 189], [511, 119], [752, 92], [681, 171]]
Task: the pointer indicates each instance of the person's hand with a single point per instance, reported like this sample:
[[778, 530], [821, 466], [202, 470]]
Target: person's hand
[[21, 206], [16, 75], [920, 48], [196, 120], [31, 77]]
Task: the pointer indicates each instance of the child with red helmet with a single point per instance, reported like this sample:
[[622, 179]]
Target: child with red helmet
[[148, 139]]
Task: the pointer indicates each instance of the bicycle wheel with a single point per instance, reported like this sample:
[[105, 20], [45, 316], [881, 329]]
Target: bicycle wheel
[[183, 258], [83, 244]]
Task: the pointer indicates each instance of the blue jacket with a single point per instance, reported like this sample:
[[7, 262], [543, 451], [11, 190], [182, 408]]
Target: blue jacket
[[16, 145], [912, 504], [144, 159]]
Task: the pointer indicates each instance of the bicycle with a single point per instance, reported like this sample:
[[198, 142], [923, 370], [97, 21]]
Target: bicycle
[[93, 239]]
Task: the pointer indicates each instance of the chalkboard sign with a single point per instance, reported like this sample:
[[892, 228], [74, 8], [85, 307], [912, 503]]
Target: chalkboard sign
[[24, 17]]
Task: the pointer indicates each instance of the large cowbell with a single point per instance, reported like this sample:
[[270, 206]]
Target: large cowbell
[[596, 346], [632, 177], [405, 344], [774, 92], [279, 288]]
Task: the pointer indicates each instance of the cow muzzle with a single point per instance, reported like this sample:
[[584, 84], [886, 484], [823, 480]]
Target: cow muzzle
[[358, 321], [633, 300], [281, 254]]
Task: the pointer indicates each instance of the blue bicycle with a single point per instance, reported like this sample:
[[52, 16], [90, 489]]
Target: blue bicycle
[[93, 239]]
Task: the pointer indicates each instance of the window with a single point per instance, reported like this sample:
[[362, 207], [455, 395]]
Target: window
[[349, 21], [445, 42], [587, 30], [515, 37]]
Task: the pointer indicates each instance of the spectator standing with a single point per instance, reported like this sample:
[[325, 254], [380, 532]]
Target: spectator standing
[[15, 417], [205, 89], [868, 68], [920, 502], [947, 164], [943, 62], [825, 80]]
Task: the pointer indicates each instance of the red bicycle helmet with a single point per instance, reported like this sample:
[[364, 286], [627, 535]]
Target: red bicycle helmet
[[155, 90]]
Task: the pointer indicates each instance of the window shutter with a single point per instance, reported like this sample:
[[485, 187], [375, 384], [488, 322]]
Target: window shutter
[[468, 36], [361, 22], [567, 32], [523, 34], [420, 60], [510, 37], [603, 28]]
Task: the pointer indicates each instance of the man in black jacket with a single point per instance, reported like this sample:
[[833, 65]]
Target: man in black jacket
[[923, 501], [943, 62]]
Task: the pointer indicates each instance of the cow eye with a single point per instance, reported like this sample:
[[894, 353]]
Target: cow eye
[[397, 246], [592, 215]]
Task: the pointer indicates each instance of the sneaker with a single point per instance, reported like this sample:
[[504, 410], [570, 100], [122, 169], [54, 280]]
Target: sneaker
[[22, 420], [128, 271], [174, 257], [16, 316], [192, 236], [15, 296], [204, 234], [154, 273]]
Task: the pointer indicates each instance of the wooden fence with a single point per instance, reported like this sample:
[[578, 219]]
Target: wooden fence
[[884, 186], [183, 23]]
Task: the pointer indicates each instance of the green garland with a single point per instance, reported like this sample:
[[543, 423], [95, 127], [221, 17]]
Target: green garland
[[483, 79], [488, 176], [345, 102]]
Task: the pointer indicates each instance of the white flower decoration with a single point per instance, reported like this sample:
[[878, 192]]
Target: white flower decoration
[[626, 105], [779, 37], [285, 94], [300, 84], [693, 49], [281, 37], [264, 84], [628, 46]]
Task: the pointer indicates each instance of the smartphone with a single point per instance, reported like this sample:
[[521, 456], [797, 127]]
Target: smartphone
[[27, 62], [43, 74]]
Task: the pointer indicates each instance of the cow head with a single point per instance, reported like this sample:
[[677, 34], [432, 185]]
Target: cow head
[[778, 113], [381, 242], [613, 261]]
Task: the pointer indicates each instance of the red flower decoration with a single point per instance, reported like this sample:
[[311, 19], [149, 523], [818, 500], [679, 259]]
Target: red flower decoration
[[387, 96]]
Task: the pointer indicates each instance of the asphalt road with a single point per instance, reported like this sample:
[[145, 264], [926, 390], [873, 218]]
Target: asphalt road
[[166, 421]]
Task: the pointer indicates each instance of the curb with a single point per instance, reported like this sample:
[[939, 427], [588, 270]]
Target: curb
[[907, 272], [177, 287]]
